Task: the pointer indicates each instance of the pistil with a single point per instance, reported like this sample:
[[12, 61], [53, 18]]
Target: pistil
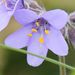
[[41, 40]]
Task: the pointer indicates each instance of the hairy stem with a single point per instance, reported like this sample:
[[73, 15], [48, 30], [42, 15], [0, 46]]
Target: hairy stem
[[62, 69], [45, 58]]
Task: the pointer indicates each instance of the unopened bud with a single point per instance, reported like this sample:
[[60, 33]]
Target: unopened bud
[[72, 19], [71, 33]]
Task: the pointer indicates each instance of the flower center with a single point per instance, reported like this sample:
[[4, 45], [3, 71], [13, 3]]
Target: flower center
[[42, 27], [10, 4]]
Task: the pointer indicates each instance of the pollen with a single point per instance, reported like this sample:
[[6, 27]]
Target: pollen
[[34, 30], [46, 32], [30, 35], [37, 23], [41, 40]]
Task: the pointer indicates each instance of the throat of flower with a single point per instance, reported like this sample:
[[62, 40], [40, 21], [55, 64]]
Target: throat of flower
[[41, 40]]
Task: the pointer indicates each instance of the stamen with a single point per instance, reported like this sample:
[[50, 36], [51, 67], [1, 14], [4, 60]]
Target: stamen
[[37, 24], [46, 32], [41, 40], [34, 30], [30, 35]]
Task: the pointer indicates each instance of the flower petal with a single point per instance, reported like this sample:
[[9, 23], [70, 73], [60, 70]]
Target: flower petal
[[25, 16], [57, 18], [2, 8], [4, 17], [19, 39], [56, 43], [37, 48]]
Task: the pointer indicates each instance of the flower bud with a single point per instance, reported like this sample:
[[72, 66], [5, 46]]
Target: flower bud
[[71, 28]]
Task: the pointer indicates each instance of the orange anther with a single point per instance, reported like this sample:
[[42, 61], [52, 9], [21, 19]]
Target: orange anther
[[30, 35], [34, 30], [46, 32]]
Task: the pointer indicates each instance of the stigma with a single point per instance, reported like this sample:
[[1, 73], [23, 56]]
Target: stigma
[[41, 40]]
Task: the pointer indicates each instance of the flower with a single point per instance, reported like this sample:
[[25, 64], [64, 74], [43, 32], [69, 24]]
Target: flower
[[7, 9], [39, 33]]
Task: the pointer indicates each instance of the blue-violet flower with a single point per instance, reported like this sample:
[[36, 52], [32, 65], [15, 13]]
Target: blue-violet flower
[[39, 33], [7, 9]]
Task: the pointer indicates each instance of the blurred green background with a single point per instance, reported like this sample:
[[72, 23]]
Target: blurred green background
[[12, 63]]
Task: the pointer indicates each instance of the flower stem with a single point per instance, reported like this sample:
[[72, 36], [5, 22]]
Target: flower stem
[[45, 58], [62, 69]]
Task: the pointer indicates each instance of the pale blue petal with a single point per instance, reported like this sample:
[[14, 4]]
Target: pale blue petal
[[19, 39], [57, 18], [25, 16], [4, 17], [37, 48], [56, 43]]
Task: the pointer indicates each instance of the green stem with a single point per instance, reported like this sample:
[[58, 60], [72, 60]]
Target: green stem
[[45, 58], [62, 69]]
